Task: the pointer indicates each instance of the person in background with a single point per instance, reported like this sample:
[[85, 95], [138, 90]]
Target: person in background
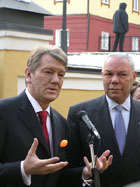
[[120, 26], [31, 131], [116, 116], [135, 92]]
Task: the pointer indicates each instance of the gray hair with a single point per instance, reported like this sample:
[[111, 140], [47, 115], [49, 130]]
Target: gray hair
[[123, 55], [36, 54]]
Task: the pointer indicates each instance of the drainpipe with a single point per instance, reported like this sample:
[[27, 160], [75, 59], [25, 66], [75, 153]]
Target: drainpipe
[[88, 23]]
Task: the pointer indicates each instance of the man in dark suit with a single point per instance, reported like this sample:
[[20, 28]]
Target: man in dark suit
[[20, 126], [118, 76], [29, 151], [120, 26]]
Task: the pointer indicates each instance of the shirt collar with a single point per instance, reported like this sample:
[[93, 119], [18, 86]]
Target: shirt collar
[[112, 103], [36, 106]]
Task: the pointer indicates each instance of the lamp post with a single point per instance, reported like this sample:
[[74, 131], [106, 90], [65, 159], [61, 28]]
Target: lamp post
[[64, 32]]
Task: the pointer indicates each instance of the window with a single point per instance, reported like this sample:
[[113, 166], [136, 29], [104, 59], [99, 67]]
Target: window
[[26, 1], [135, 44], [58, 37], [105, 1], [135, 5], [58, 1], [105, 40]]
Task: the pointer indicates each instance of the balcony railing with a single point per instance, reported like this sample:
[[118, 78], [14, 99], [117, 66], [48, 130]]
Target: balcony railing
[[131, 44]]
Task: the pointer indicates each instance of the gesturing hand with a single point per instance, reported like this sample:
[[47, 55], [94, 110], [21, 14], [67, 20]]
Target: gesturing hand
[[102, 164], [34, 165]]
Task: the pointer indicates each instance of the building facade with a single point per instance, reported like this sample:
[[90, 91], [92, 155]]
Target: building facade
[[89, 24]]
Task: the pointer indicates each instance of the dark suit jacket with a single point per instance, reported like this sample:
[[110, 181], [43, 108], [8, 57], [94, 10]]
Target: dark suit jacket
[[124, 169], [18, 127]]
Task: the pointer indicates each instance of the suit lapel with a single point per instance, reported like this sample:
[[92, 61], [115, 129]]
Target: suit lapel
[[105, 127], [56, 130], [30, 120], [133, 133]]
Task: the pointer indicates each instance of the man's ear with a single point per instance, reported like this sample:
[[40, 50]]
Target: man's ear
[[134, 75], [27, 75]]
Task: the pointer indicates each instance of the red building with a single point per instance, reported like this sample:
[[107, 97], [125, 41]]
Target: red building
[[88, 33]]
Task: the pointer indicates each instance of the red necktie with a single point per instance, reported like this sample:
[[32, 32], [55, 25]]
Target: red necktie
[[43, 118]]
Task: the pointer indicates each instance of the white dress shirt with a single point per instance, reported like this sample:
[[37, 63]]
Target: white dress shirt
[[37, 108], [125, 110]]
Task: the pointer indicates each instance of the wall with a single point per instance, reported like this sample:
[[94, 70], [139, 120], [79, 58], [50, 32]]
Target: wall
[[14, 63], [1, 73], [77, 24], [78, 30], [14, 50], [68, 98], [95, 8], [57, 9], [98, 24]]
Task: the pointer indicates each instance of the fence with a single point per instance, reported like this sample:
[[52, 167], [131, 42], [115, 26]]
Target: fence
[[131, 44]]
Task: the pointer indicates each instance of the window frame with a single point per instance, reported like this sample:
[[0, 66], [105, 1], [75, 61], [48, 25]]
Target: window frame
[[104, 40], [58, 40], [61, 1], [105, 3], [134, 5], [135, 43]]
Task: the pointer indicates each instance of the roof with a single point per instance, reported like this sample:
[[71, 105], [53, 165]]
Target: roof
[[24, 5]]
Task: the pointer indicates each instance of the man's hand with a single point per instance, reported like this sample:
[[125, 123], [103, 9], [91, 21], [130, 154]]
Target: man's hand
[[34, 165], [102, 164]]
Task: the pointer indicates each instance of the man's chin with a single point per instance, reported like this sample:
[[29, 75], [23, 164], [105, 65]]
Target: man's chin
[[52, 98], [114, 97]]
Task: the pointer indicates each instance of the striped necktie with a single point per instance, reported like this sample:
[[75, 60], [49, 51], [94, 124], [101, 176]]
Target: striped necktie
[[120, 130]]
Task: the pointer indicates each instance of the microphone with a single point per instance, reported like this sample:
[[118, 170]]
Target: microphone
[[82, 115]]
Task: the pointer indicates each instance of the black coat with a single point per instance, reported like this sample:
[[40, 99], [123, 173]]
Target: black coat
[[19, 125], [120, 20]]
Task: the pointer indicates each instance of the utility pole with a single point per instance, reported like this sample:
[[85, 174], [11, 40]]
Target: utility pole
[[64, 32]]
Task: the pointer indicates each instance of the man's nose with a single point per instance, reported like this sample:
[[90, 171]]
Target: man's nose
[[55, 78], [115, 78]]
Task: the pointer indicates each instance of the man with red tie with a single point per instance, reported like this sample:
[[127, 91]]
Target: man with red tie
[[31, 130], [25, 156]]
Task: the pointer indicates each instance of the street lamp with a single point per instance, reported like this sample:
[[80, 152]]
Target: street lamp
[[64, 32]]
